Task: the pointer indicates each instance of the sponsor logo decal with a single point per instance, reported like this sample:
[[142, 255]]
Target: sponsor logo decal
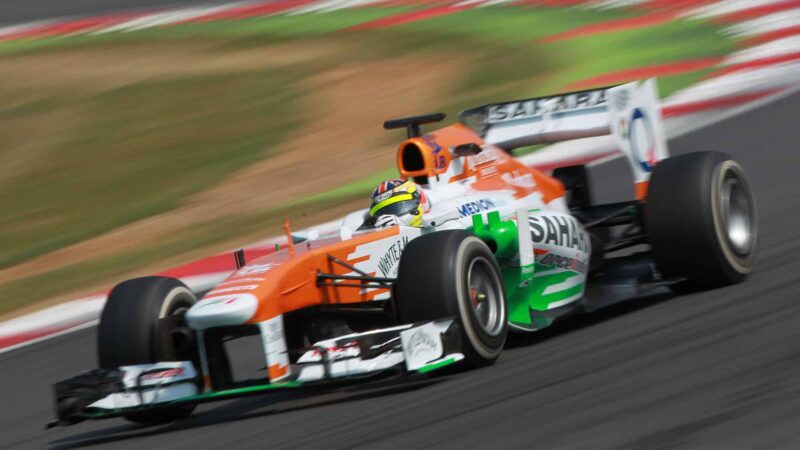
[[247, 287], [421, 342], [226, 299], [489, 154], [421, 345], [541, 106], [166, 373], [491, 170], [620, 99], [559, 230], [642, 139], [387, 264], [205, 303], [563, 262], [439, 161], [383, 197], [476, 207], [524, 181], [336, 352]]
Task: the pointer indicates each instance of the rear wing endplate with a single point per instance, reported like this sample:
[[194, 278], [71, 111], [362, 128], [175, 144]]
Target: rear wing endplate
[[630, 113]]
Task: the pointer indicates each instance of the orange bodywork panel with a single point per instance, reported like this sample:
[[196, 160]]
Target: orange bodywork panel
[[491, 170], [641, 189], [283, 282], [435, 149]]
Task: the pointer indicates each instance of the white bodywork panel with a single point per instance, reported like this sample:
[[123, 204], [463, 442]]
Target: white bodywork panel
[[630, 113], [423, 344], [344, 359], [168, 381], [273, 340]]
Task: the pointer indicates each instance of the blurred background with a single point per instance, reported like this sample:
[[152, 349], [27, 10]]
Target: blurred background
[[150, 136], [137, 137]]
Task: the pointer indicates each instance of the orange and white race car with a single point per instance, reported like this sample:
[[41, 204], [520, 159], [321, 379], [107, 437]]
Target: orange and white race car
[[491, 246]]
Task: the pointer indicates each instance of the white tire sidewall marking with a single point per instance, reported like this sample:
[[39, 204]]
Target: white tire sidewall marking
[[465, 314], [716, 210], [169, 299]]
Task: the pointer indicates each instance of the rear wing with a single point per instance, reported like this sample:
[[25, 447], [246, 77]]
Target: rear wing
[[630, 113]]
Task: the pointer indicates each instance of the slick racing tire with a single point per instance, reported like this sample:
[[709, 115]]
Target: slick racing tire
[[131, 331], [700, 219], [454, 274]]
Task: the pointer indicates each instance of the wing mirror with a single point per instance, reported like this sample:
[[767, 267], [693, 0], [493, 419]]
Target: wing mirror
[[438, 220], [466, 150]]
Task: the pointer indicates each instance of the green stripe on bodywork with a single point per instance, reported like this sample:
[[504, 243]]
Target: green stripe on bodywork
[[521, 298], [239, 391], [436, 365]]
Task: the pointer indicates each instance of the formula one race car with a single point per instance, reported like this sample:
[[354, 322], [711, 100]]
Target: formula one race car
[[502, 247]]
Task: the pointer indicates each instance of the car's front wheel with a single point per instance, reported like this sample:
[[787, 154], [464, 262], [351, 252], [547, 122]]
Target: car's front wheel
[[131, 332], [454, 274]]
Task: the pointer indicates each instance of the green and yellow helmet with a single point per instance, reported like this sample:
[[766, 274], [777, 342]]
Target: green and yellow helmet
[[397, 202]]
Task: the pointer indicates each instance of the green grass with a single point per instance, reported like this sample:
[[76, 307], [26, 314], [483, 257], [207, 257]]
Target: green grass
[[83, 160], [76, 277], [643, 47], [136, 151], [521, 29], [512, 25]]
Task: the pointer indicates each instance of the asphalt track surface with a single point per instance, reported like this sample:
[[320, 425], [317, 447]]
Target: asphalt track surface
[[719, 369], [21, 11]]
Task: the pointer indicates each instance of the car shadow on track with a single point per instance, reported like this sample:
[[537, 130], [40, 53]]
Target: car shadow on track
[[247, 408], [281, 402]]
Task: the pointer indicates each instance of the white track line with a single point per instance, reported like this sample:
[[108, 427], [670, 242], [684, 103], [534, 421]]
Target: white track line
[[161, 19], [775, 48], [14, 29], [615, 4], [474, 3], [694, 122], [317, 7], [726, 7], [744, 82], [493, 3], [82, 326], [766, 24], [56, 316], [353, 4]]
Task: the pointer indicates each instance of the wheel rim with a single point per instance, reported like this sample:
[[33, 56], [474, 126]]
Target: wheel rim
[[737, 214], [485, 296]]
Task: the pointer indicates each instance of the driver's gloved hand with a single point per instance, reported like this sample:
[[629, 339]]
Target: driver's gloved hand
[[387, 220]]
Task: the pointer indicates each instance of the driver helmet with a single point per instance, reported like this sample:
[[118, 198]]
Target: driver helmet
[[398, 202]]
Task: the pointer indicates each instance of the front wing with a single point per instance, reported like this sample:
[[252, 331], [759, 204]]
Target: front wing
[[410, 349]]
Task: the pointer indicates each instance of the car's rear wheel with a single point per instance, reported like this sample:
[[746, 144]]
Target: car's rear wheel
[[700, 219], [454, 274], [143, 323]]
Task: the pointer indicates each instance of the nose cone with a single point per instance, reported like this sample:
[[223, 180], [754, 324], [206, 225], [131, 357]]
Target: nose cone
[[224, 310]]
